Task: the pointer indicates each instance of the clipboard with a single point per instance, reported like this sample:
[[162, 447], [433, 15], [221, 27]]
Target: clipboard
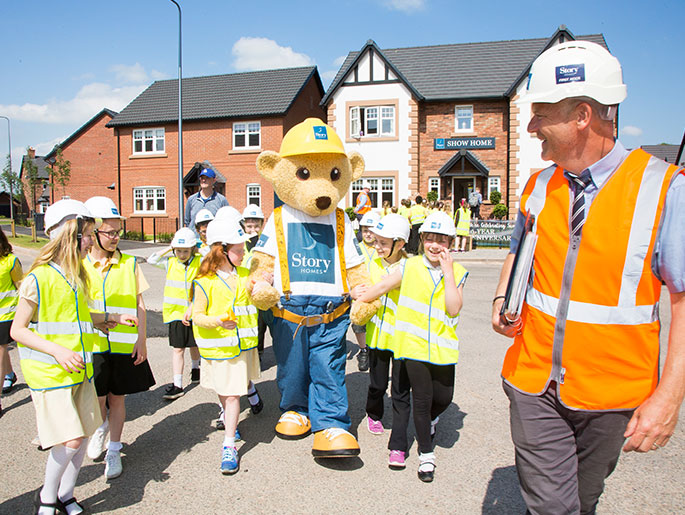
[[521, 270]]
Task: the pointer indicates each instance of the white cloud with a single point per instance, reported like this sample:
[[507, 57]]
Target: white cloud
[[340, 60], [327, 77], [406, 6], [89, 100], [264, 54], [134, 74], [631, 130]]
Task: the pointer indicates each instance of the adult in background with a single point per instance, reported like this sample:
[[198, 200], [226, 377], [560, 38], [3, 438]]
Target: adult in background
[[205, 198], [475, 201], [583, 372], [363, 204]]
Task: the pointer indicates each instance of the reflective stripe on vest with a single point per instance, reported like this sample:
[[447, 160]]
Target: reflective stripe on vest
[[179, 279], [423, 330], [64, 319], [220, 343], [8, 292], [464, 222], [590, 319], [417, 214]]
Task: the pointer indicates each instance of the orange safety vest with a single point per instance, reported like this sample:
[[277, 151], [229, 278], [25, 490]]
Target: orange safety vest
[[591, 324], [367, 205]]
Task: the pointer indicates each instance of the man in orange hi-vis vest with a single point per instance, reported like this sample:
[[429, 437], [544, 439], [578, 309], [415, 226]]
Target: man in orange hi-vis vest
[[582, 374]]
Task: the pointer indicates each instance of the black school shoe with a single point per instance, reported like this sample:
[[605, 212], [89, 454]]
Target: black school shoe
[[63, 505], [8, 382], [172, 392], [194, 375], [38, 504], [363, 359], [256, 408]]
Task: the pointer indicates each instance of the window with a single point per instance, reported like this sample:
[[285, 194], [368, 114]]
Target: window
[[493, 185], [148, 141], [254, 194], [434, 185], [149, 199], [247, 135], [380, 190], [372, 121], [463, 118]]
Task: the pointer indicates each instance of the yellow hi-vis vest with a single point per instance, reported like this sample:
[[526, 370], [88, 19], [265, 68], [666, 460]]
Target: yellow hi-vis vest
[[8, 292], [463, 221], [179, 279], [115, 293], [369, 254], [423, 329], [417, 214], [381, 328], [64, 319], [220, 343]]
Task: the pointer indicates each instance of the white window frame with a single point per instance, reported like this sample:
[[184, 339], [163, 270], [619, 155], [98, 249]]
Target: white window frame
[[377, 186], [247, 129], [456, 118], [154, 135], [493, 185], [154, 193], [250, 199], [359, 121], [434, 185]]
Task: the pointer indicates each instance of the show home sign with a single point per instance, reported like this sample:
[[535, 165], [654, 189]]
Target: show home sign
[[462, 143]]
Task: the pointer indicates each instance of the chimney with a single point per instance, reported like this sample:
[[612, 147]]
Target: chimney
[[32, 153]]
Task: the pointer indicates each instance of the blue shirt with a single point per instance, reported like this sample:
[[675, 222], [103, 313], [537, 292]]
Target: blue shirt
[[668, 262], [196, 202]]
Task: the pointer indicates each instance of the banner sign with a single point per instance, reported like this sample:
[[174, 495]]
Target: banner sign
[[492, 233], [463, 143]]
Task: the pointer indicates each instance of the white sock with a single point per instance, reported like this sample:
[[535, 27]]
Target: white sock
[[60, 456], [426, 462], [66, 486], [433, 424], [252, 395], [194, 363], [114, 446], [229, 441], [178, 380]]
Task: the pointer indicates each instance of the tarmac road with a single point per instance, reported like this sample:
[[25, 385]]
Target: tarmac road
[[172, 451]]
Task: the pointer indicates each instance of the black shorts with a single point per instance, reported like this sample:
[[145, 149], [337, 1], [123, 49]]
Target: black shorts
[[116, 374], [180, 335], [5, 337]]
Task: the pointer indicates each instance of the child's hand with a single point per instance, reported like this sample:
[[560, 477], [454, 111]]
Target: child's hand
[[226, 324], [139, 353], [358, 291], [128, 320], [68, 359], [445, 259], [186, 317], [268, 277]]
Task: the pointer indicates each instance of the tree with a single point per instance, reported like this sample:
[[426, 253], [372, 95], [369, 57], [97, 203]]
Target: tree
[[31, 175], [10, 181], [60, 171]]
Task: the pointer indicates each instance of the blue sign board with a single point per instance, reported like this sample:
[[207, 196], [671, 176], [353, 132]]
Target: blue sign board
[[465, 143]]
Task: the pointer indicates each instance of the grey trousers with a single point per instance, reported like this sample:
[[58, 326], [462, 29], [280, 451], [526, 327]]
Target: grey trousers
[[563, 456]]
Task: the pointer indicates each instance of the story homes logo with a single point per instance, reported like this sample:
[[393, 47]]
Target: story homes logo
[[570, 73], [312, 252]]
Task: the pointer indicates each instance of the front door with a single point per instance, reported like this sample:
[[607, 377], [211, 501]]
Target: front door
[[461, 187]]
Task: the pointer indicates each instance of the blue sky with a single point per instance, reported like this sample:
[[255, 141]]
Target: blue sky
[[62, 62]]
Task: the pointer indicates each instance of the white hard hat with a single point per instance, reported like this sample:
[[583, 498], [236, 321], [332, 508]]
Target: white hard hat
[[228, 213], [253, 211], [184, 238], [370, 219], [365, 184], [575, 69], [393, 226], [439, 223], [203, 215], [62, 211], [103, 207], [222, 230]]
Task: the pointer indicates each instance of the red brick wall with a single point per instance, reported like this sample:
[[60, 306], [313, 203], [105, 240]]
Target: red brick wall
[[305, 106]]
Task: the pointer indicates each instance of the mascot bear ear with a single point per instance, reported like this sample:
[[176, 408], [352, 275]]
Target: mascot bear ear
[[266, 163], [357, 164]]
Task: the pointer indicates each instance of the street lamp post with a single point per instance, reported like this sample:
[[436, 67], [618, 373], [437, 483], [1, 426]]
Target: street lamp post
[[180, 125], [9, 139]]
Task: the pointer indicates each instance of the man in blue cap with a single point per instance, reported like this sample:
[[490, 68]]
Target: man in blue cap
[[205, 198]]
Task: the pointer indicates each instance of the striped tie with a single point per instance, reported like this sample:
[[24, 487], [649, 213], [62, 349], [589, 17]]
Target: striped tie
[[578, 212]]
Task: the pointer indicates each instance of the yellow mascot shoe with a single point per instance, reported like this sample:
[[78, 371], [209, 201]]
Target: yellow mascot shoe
[[292, 425], [334, 443]]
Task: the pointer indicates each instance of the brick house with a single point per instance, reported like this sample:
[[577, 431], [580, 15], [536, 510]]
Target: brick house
[[440, 118], [36, 195], [227, 121]]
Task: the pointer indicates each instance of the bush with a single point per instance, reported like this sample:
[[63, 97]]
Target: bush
[[495, 197], [133, 235], [500, 211], [350, 213], [432, 196], [165, 237]]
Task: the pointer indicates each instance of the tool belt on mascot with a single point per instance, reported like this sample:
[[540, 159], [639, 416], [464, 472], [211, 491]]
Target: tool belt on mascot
[[310, 320]]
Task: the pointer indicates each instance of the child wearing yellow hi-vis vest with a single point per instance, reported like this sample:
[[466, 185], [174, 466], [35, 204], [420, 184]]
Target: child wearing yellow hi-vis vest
[[181, 268], [425, 328], [10, 277], [53, 327], [225, 327]]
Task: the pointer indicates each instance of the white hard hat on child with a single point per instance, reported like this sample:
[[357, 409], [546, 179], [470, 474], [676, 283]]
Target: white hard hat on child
[[184, 239], [575, 69], [228, 213], [370, 219], [203, 215], [61, 212], [103, 207], [253, 211], [393, 226], [439, 223], [221, 230]]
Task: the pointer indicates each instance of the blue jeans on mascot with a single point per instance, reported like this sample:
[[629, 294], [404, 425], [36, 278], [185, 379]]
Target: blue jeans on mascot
[[311, 366]]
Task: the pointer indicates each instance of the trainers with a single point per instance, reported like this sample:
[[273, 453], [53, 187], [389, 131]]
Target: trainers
[[237, 435], [396, 460], [375, 426], [113, 466], [194, 375], [8, 383], [229, 461], [426, 467], [96, 444], [363, 359], [172, 392]]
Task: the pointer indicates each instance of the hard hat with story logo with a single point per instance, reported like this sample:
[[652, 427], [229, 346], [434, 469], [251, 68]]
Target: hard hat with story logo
[[393, 226], [103, 207], [253, 211], [439, 223], [203, 215], [184, 238], [225, 231], [61, 212], [370, 219], [311, 136]]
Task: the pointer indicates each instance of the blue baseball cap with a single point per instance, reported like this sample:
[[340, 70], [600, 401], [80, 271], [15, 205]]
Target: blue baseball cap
[[208, 172]]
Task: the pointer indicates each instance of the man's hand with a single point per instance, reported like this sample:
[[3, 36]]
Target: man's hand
[[501, 325], [652, 424]]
